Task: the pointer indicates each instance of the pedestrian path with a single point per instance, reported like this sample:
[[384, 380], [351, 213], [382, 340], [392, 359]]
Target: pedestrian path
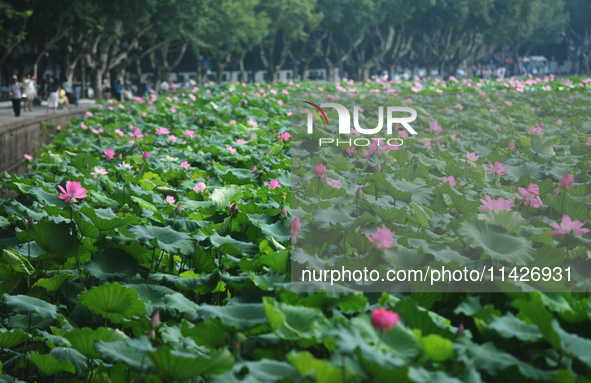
[[7, 114]]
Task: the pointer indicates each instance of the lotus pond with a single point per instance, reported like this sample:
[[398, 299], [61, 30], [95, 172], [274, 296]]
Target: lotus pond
[[151, 241]]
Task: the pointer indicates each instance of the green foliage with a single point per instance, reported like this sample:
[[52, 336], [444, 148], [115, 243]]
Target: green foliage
[[122, 285]]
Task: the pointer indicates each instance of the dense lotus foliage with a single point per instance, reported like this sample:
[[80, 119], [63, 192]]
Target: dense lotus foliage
[[152, 243]]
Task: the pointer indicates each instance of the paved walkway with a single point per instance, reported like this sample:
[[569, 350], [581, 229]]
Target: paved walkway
[[7, 114]]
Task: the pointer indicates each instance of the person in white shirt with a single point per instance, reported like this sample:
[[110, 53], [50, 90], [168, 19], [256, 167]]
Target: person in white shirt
[[14, 92], [164, 87], [30, 91]]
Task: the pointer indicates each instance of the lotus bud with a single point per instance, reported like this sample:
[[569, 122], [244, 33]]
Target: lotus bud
[[179, 208], [283, 212], [146, 156], [384, 320], [234, 209], [31, 222], [155, 321], [461, 330], [378, 167], [359, 193], [86, 166]]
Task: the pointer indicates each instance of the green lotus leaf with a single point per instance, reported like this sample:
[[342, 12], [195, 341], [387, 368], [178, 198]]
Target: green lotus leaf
[[112, 301], [49, 365]]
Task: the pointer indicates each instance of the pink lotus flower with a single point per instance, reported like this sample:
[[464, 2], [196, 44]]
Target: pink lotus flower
[[137, 134], [73, 192], [255, 169], [161, 131], [530, 195], [172, 138], [455, 137], [119, 132], [185, 165], [109, 154], [382, 239], [539, 131], [170, 199], [434, 128], [402, 134], [588, 143], [125, 166], [497, 170], [335, 184], [273, 184], [146, 156], [498, 204], [231, 149], [471, 158], [232, 122], [189, 133], [294, 229], [320, 170], [384, 320], [449, 179], [351, 151], [459, 106], [511, 145], [252, 123], [285, 136], [199, 187], [279, 102], [98, 172], [28, 157], [567, 181], [241, 141], [559, 122], [566, 226]]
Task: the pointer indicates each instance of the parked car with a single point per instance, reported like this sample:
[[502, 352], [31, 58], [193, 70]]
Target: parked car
[[536, 65]]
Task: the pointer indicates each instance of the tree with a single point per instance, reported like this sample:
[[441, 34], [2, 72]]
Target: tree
[[578, 33], [119, 28], [342, 30], [13, 23], [229, 42], [387, 35], [290, 18]]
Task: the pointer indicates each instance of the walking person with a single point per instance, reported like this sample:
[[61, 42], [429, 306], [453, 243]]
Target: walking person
[[118, 88], [30, 91], [14, 92], [53, 100]]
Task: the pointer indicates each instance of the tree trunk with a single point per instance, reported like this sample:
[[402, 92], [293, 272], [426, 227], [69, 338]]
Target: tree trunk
[[98, 82], [518, 60], [441, 69], [138, 71], [83, 80], [331, 71], [241, 65], [69, 73], [220, 70], [199, 72]]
